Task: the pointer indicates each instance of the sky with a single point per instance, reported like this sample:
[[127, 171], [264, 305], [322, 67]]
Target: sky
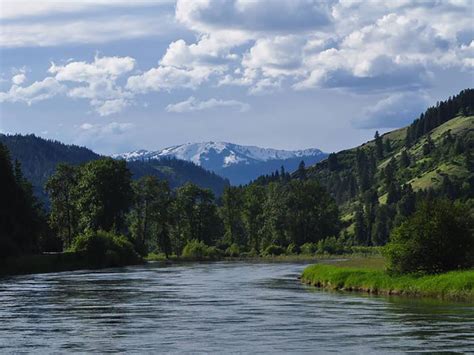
[[118, 75]]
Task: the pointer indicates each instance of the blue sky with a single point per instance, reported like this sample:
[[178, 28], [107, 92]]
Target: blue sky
[[122, 75]]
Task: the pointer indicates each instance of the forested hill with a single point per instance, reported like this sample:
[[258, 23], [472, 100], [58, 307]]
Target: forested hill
[[376, 183], [39, 158]]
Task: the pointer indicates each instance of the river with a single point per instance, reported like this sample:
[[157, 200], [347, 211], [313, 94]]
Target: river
[[217, 307]]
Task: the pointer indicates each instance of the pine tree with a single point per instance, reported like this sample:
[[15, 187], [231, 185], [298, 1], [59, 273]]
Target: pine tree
[[378, 145], [301, 173], [404, 159]]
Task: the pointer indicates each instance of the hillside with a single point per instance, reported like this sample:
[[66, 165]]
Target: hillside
[[39, 158], [239, 163], [376, 183]]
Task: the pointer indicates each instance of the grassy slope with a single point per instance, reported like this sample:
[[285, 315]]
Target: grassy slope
[[422, 173], [452, 285]]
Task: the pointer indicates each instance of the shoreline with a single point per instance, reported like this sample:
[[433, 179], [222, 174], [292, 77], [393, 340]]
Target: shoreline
[[452, 286], [70, 261]]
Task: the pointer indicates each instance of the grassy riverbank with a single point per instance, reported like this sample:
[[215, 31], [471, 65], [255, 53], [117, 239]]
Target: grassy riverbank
[[372, 279]]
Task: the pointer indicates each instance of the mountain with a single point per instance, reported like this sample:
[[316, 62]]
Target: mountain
[[240, 164], [376, 183], [39, 158]]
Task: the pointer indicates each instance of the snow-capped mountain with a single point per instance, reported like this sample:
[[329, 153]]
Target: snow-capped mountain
[[239, 163]]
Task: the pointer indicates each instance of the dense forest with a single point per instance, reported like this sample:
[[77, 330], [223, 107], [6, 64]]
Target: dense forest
[[355, 198]]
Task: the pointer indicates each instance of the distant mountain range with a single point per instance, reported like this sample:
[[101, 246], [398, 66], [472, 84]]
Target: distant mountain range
[[39, 158], [239, 163]]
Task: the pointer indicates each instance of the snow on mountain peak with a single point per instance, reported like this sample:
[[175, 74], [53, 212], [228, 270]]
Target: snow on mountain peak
[[216, 155]]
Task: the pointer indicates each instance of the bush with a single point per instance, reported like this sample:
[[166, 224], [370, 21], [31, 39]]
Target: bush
[[330, 245], [292, 249], [105, 249], [437, 237], [233, 250], [273, 250], [198, 250], [309, 248]]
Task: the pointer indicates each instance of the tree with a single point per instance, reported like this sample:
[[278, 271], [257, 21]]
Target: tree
[[404, 159], [428, 146], [252, 215], [380, 230], [231, 213], [21, 219], [64, 216], [195, 217], [378, 146], [436, 238], [301, 172], [312, 214], [332, 162], [104, 194], [360, 230], [389, 172], [150, 217], [388, 145]]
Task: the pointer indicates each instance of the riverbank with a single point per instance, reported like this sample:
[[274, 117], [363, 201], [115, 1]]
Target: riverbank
[[454, 285], [52, 262]]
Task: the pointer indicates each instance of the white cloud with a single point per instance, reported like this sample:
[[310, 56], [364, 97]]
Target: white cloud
[[109, 107], [38, 91], [14, 9], [101, 67], [113, 128], [19, 79], [99, 77], [258, 16], [192, 104], [91, 30], [395, 110], [168, 78]]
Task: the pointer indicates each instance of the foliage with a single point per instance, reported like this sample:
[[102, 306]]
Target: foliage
[[273, 250], [21, 218], [309, 248], [102, 248], [437, 238], [149, 220], [233, 250], [331, 245], [198, 250]]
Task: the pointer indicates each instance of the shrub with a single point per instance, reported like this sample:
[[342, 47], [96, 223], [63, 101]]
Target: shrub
[[233, 250], [292, 249], [309, 248], [102, 248], [437, 237], [330, 245], [198, 250], [273, 250]]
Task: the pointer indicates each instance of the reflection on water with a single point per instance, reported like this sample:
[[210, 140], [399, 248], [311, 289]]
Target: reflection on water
[[220, 307]]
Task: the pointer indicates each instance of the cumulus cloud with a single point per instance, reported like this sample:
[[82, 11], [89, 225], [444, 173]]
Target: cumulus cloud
[[98, 81], [355, 45], [38, 91], [192, 104], [167, 78], [394, 110], [361, 46], [261, 16]]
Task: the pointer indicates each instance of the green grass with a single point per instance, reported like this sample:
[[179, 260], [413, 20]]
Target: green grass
[[457, 285]]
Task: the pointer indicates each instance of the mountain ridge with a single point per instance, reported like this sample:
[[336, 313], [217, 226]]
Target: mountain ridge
[[239, 163]]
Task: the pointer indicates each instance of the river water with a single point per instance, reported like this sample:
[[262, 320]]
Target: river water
[[218, 308]]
